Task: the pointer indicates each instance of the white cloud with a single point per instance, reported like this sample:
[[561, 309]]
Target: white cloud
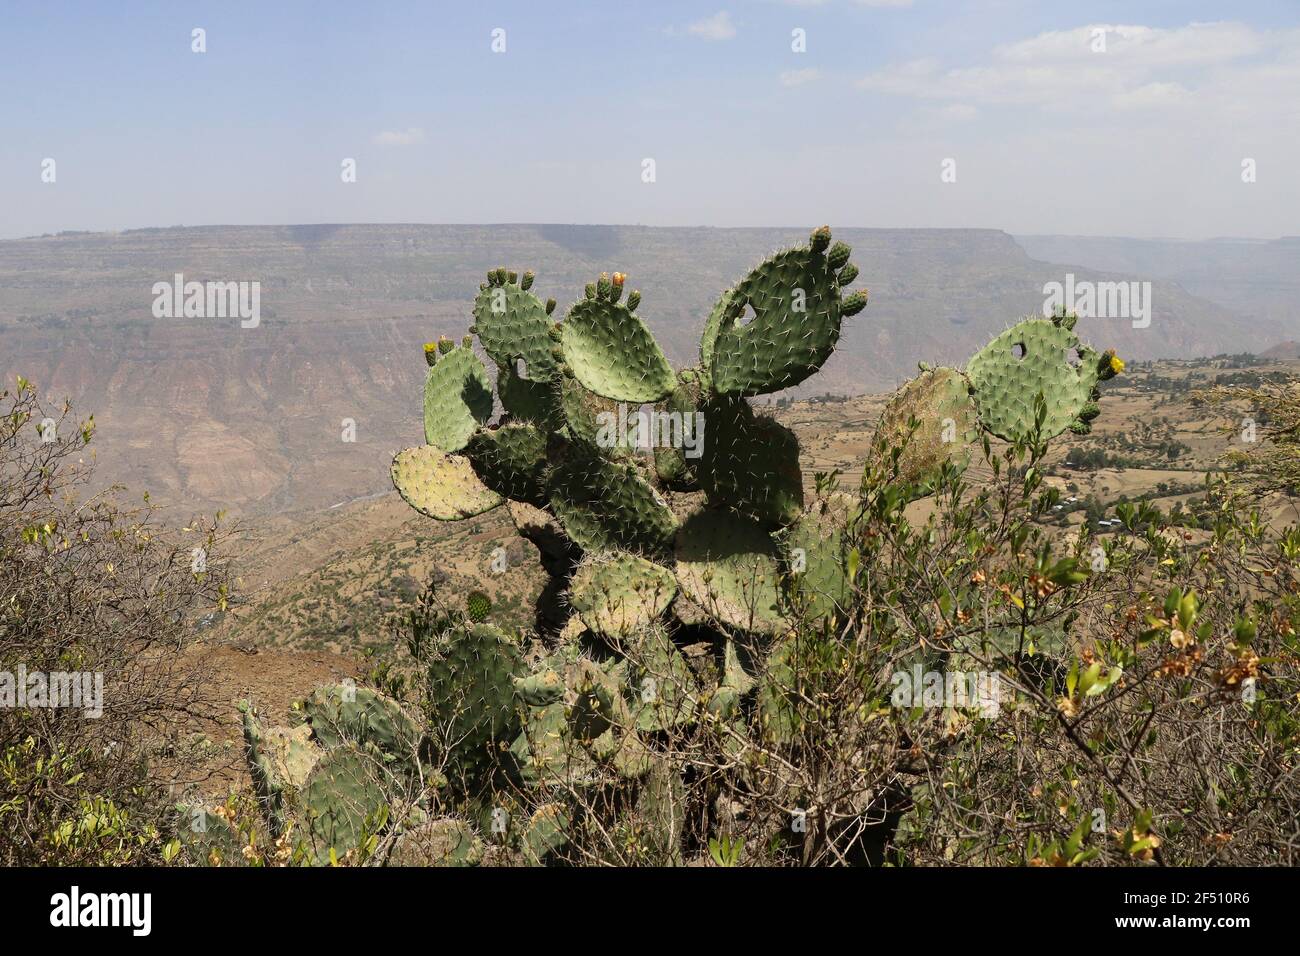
[[1152, 96], [1140, 67], [716, 27], [1151, 47], [799, 77], [406, 137], [958, 112]]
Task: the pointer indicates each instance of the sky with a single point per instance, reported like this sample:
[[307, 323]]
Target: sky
[[995, 114]]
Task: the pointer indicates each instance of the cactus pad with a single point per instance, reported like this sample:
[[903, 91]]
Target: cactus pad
[[472, 696], [444, 842], [1027, 359], [619, 594], [457, 399], [525, 400], [511, 461], [512, 324], [440, 486], [815, 564], [613, 354], [940, 400], [604, 505], [341, 714], [344, 789], [728, 566], [750, 463], [778, 325]]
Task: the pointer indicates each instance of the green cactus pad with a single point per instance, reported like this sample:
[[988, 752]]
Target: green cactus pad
[[618, 594], [792, 302], [511, 460], [778, 710], [940, 400], [457, 399], [729, 307], [267, 778], [674, 467], [472, 696], [208, 840], [344, 789], [750, 463], [441, 486], [547, 831], [661, 814], [292, 753], [660, 681], [1027, 359], [591, 419], [613, 354], [343, 714], [728, 566], [545, 751], [816, 576], [525, 400], [512, 324], [541, 688], [444, 842], [607, 505]]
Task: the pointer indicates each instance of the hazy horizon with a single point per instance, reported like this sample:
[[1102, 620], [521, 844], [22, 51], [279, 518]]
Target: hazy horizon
[[644, 225]]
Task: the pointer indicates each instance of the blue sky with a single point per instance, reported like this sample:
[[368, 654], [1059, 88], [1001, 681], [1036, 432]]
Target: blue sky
[[1145, 138]]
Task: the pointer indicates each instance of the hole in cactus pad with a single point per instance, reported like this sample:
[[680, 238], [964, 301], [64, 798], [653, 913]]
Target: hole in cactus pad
[[746, 316], [521, 368], [1018, 350], [1073, 358]]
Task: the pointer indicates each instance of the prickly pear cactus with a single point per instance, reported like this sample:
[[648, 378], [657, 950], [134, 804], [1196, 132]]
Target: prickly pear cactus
[[686, 549]]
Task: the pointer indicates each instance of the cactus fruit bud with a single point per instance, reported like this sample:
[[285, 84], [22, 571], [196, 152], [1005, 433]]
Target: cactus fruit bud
[[618, 280], [430, 352], [590, 290], [501, 275], [633, 300], [550, 306], [483, 287], [554, 332], [603, 286], [557, 353], [1089, 411], [821, 238], [512, 277], [445, 344], [467, 341], [1065, 320], [477, 606], [1109, 365], [838, 257], [527, 282], [848, 274], [853, 304]]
